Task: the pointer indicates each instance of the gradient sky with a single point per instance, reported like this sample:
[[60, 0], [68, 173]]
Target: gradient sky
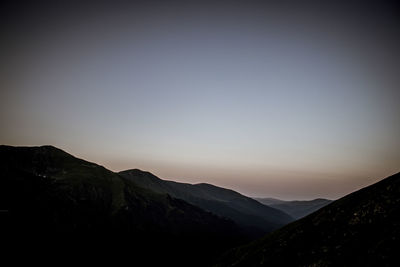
[[287, 101]]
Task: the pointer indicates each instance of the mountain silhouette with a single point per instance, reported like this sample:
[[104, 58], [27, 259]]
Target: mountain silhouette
[[247, 212], [360, 229], [295, 208], [50, 196]]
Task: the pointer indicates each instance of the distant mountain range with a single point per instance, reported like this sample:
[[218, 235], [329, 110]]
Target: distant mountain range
[[56, 204], [246, 212], [360, 229], [296, 208]]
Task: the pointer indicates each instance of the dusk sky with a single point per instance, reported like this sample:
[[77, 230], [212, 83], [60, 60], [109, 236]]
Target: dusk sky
[[287, 101]]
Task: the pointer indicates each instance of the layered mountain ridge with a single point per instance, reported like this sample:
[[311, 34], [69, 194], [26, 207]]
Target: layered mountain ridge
[[60, 205], [295, 208], [50, 196], [243, 210]]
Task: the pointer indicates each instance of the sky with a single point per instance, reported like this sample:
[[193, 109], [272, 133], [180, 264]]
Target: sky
[[294, 101]]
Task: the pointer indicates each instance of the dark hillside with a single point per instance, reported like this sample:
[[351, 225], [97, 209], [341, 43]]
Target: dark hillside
[[257, 218], [360, 229], [51, 199]]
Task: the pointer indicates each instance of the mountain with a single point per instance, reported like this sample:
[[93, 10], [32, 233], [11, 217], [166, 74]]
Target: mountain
[[50, 196], [269, 200], [360, 229], [296, 208], [243, 210]]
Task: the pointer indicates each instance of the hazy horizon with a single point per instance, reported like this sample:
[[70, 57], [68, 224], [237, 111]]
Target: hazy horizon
[[271, 100]]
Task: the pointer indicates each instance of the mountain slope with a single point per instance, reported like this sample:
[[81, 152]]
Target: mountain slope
[[360, 229], [224, 202], [47, 194], [296, 208]]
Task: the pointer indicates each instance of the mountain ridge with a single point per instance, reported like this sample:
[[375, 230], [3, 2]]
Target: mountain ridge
[[224, 202], [296, 208], [55, 198]]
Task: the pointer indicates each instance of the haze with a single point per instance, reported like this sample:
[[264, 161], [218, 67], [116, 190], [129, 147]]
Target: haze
[[294, 102]]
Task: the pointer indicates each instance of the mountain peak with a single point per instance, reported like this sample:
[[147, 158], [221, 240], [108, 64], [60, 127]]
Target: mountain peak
[[135, 170], [139, 174]]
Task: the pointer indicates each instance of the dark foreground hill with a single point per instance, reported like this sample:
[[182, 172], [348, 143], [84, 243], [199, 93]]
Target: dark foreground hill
[[360, 229], [296, 208], [245, 211], [51, 199]]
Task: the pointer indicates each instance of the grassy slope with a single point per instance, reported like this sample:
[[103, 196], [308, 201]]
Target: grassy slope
[[51, 195], [224, 202], [360, 229]]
